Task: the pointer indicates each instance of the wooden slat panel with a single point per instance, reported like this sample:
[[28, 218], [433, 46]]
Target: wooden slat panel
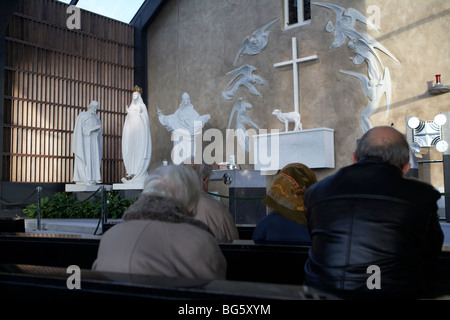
[[48, 83]]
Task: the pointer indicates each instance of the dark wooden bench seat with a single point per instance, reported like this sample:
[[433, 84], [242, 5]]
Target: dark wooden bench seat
[[43, 282], [246, 262]]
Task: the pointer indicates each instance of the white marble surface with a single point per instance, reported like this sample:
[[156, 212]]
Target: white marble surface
[[312, 147], [85, 187], [128, 186]]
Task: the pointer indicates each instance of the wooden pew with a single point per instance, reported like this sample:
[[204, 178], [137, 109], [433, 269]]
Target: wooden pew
[[54, 250], [12, 225], [42, 282], [246, 261], [276, 264]]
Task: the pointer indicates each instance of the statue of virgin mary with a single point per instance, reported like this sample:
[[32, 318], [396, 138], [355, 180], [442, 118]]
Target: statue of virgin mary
[[136, 140]]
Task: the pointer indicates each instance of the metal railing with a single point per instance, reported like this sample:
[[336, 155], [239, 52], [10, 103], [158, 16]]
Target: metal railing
[[39, 192]]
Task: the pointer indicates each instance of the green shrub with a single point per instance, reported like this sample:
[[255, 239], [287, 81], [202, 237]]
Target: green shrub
[[64, 205]]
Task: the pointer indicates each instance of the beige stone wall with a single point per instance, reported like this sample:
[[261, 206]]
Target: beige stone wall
[[192, 45]]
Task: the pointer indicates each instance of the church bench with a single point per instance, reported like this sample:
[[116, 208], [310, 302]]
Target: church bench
[[268, 263], [55, 250], [245, 231], [277, 264], [12, 225], [43, 282], [245, 260]]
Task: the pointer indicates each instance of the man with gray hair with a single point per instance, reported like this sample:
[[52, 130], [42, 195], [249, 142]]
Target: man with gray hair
[[211, 211], [375, 233]]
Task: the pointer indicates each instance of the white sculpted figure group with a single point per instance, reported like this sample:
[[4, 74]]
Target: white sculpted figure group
[[136, 137], [185, 124], [87, 146], [136, 140], [377, 83], [136, 143], [252, 45]]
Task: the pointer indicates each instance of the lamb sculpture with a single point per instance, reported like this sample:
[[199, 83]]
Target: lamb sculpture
[[289, 117]]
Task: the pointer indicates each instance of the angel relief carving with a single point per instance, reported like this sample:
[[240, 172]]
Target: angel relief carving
[[255, 44], [345, 23], [240, 109], [248, 79], [377, 83]]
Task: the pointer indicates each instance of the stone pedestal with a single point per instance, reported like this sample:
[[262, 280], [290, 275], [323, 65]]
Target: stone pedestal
[[85, 188], [312, 147], [129, 191]]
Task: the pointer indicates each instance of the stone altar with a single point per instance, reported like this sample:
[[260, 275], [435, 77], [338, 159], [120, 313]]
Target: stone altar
[[312, 147]]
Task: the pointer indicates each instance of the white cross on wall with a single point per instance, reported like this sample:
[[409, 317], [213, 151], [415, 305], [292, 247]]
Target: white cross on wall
[[294, 63]]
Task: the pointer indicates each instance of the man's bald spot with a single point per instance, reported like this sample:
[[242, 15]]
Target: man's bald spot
[[384, 135], [386, 143]]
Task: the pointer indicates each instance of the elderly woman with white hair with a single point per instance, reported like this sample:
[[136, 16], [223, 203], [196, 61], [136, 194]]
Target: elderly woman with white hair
[[159, 235]]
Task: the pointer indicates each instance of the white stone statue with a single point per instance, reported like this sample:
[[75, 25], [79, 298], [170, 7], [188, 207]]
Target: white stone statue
[[363, 45], [345, 23], [136, 140], [241, 108], [184, 124], [363, 53], [375, 84], [87, 146], [184, 117], [374, 92], [255, 44], [289, 117], [248, 80]]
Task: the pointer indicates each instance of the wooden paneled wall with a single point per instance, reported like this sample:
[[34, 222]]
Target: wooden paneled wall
[[52, 74]]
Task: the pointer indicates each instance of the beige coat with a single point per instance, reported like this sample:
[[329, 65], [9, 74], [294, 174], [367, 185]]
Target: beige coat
[[153, 247], [216, 216]]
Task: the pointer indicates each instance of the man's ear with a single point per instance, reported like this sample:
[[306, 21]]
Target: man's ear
[[355, 160], [406, 168]]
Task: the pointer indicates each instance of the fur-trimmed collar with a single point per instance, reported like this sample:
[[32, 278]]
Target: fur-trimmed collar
[[150, 207]]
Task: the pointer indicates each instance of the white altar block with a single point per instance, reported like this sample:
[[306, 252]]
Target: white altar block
[[312, 147], [129, 186], [85, 188]]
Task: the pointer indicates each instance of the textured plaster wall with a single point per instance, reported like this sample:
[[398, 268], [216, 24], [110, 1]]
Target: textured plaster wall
[[192, 45]]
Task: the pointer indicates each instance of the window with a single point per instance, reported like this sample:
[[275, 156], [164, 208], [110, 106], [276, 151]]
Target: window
[[296, 13]]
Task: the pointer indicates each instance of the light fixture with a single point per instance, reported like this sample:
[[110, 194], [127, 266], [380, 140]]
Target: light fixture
[[413, 122], [442, 146], [440, 119], [427, 134], [415, 147]]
